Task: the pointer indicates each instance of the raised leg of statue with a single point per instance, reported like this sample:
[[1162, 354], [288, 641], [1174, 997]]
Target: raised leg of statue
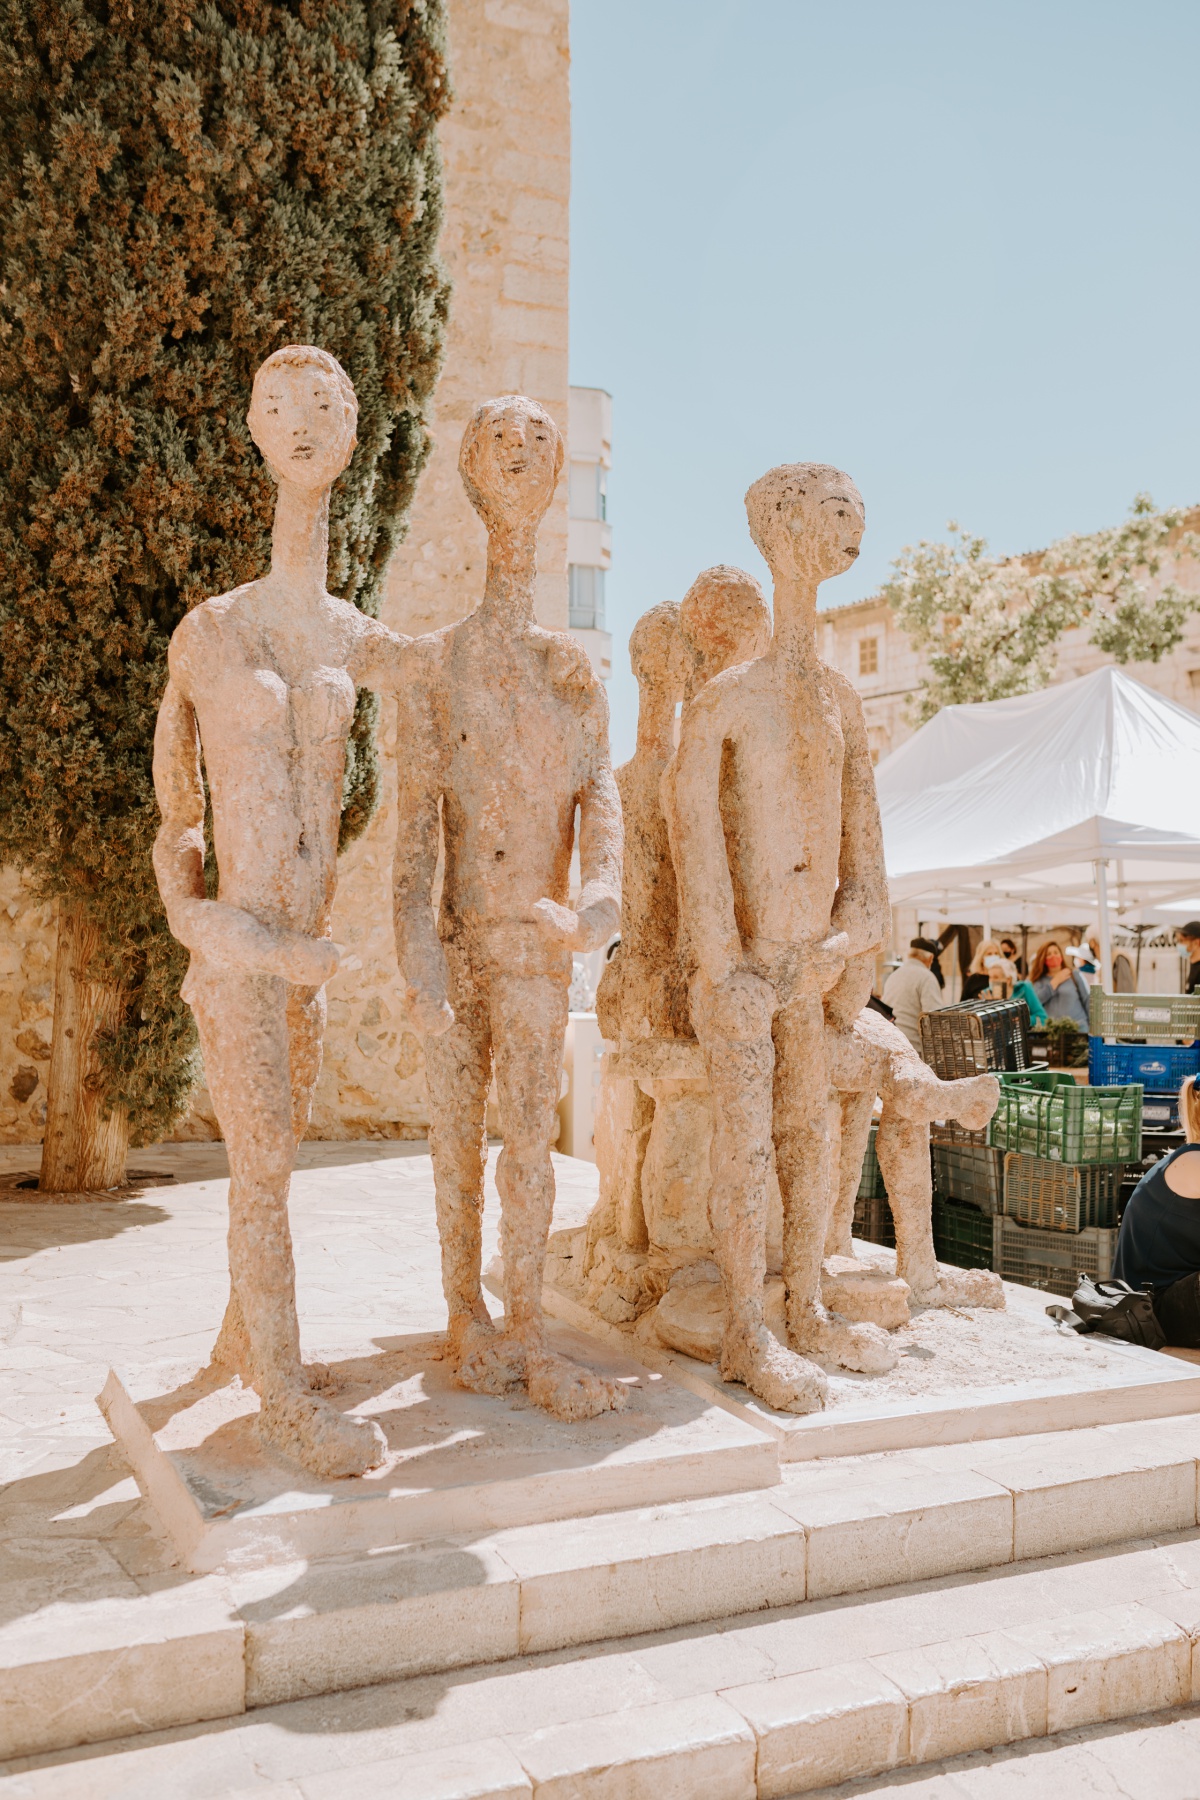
[[857, 1111], [802, 1161], [243, 1021], [529, 1019]]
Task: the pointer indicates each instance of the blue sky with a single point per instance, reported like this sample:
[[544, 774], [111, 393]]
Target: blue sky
[[952, 246]]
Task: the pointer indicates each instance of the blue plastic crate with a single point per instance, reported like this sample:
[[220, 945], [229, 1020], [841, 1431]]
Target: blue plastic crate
[[1158, 1067]]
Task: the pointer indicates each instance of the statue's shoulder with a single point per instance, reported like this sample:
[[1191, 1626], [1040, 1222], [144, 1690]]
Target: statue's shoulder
[[848, 696], [569, 669], [720, 701], [201, 631]]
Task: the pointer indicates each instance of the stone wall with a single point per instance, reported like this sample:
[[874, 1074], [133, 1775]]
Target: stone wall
[[506, 147]]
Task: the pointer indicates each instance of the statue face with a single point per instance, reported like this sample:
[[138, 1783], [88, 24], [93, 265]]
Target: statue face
[[302, 425], [818, 527], [514, 465]]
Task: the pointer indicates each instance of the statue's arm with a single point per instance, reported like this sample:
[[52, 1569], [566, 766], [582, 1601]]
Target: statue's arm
[[378, 659], [860, 908], [218, 933], [691, 800], [419, 952], [601, 835]]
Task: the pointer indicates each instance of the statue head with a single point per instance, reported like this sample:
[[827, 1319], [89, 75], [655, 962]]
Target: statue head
[[303, 415], [655, 650], [724, 620], [510, 460], [807, 519]]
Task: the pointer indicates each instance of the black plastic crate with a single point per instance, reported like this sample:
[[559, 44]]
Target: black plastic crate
[[970, 1172], [873, 1221], [870, 1181], [1056, 1196], [975, 1036], [962, 1235]]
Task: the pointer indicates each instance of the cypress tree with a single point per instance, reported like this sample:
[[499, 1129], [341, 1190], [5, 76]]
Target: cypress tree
[[185, 186]]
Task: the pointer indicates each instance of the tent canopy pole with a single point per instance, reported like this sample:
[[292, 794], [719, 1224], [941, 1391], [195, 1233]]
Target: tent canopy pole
[[1101, 869]]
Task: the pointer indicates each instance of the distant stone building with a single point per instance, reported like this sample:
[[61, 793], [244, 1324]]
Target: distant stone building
[[864, 641], [506, 147]]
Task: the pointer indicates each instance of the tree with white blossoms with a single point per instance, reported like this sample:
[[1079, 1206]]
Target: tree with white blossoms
[[989, 626]]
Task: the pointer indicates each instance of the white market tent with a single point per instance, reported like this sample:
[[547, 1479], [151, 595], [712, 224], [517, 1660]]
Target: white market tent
[[1083, 796]]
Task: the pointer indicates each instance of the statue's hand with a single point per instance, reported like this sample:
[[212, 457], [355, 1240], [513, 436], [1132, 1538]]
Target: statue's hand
[[739, 1008], [224, 934], [828, 960], [584, 930], [307, 961], [431, 1013]]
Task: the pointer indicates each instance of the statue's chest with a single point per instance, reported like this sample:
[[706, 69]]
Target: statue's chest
[[508, 732], [256, 704]]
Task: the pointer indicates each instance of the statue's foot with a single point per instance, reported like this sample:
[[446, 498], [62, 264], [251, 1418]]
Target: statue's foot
[[865, 1348], [962, 1287], [313, 1433], [321, 1378], [485, 1361], [777, 1375], [568, 1391]]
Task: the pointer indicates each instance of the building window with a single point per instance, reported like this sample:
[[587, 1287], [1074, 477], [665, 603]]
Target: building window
[[868, 656], [588, 491], [586, 597]]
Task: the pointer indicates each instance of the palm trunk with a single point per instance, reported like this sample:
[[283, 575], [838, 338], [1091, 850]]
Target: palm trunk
[[85, 1148]]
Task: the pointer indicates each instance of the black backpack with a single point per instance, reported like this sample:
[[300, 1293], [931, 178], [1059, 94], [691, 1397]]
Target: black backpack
[[1115, 1310]]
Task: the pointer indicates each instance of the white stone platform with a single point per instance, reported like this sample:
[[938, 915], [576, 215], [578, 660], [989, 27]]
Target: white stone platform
[[103, 1632], [457, 1462]]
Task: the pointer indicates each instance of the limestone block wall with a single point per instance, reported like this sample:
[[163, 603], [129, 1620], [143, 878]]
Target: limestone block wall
[[506, 149]]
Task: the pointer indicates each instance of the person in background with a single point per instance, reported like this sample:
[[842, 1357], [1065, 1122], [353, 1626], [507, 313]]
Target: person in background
[[991, 972], [912, 989], [1189, 937], [1086, 957], [1062, 990], [1008, 948], [1159, 1242]]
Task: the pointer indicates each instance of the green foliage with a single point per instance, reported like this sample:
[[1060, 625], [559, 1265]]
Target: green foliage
[[990, 626], [185, 187]]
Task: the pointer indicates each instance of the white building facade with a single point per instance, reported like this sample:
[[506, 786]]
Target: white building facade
[[589, 534]]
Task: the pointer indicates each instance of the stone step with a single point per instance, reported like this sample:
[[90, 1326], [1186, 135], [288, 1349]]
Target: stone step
[[216, 1645], [784, 1702]]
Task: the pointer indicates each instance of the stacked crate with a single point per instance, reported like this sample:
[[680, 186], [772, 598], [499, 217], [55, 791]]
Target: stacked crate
[[1066, 1148], [1153, 1039], [975, 1038], [872, 1214]]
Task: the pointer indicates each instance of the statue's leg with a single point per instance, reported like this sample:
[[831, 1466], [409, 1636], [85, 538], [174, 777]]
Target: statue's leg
[[529, 1021], [857, 1110], [740, 1070], [243, 1024], [458, 1067], [903, 1148], [802, 1161], [306, 1029]]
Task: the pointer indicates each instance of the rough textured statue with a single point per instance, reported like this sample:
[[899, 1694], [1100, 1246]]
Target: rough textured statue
[[506, 734], [778, 852], [262, 684]]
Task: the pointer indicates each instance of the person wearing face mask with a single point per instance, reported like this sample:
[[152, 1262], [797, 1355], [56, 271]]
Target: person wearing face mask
[[1062, 990]]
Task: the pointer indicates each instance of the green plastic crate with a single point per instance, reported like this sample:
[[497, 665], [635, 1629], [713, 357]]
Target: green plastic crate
[[1163, 1016], [1050, 1115], [962, 1235]]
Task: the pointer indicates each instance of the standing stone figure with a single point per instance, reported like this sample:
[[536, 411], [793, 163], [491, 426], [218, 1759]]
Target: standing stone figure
[[262, 684], [507, 734], [778, 852]]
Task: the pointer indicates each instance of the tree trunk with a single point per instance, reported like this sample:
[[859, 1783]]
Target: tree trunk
[[85, 1149]]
